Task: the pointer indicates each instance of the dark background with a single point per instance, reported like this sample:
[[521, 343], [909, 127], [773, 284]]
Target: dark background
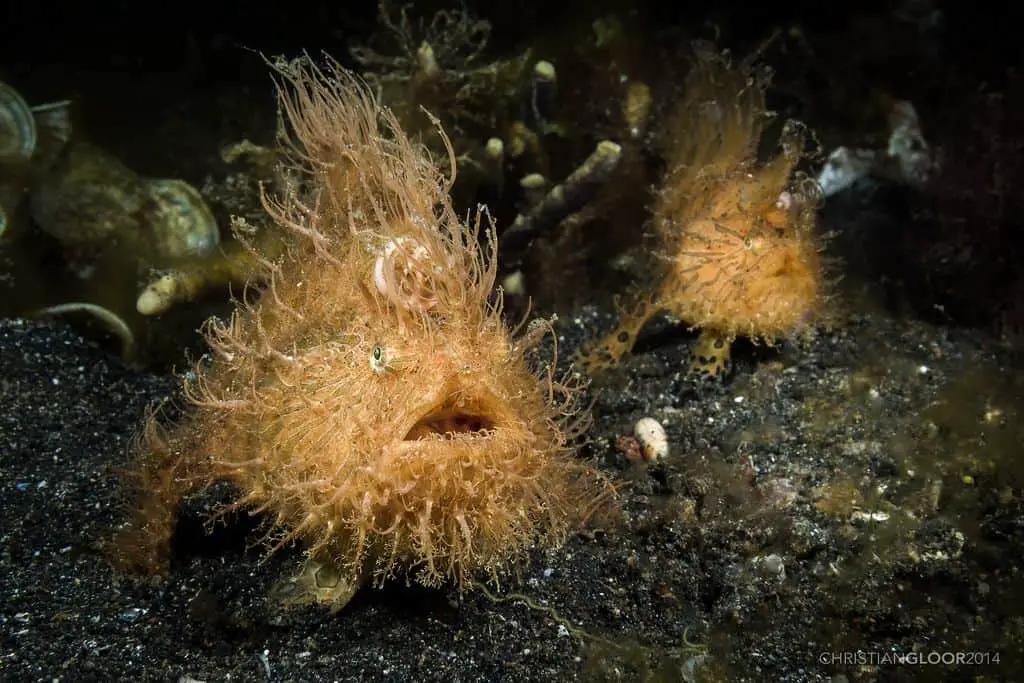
[[163, 86], [45, 47]]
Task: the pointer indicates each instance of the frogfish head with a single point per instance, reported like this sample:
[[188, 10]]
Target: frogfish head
[[450, 453]]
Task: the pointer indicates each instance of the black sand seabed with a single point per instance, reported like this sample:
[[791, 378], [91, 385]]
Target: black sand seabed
[[860, 492]]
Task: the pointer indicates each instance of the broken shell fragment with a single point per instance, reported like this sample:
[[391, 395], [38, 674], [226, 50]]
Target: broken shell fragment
[[652, 438], [843, 168], [109, 320], [53, 130], [907, 159], [908, 148]]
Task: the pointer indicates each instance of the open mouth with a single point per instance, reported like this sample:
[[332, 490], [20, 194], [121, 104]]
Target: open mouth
[[450, 420]]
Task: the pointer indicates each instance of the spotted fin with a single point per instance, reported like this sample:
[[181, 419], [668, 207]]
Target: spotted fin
[[710, 357], [609, 350]]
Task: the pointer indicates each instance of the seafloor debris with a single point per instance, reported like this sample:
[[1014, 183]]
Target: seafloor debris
[[907, 159]]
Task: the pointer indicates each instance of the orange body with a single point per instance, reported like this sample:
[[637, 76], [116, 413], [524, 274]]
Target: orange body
[[736, 237]]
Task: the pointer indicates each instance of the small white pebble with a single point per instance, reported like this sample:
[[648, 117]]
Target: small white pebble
[[923, 370], [652, 438], [739, 399], [862, 516], [770, 566]]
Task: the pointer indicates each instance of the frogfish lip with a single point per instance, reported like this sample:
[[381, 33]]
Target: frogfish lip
[[455, 415], [464, 408]]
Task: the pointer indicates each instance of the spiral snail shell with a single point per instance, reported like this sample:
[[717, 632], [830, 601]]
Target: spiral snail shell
[[89, 201], [17, 127], [401, 273], [30, 140], [182, 223]]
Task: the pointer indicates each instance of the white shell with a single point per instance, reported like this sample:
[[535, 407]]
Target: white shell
[[652, 438], [401, 274]]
